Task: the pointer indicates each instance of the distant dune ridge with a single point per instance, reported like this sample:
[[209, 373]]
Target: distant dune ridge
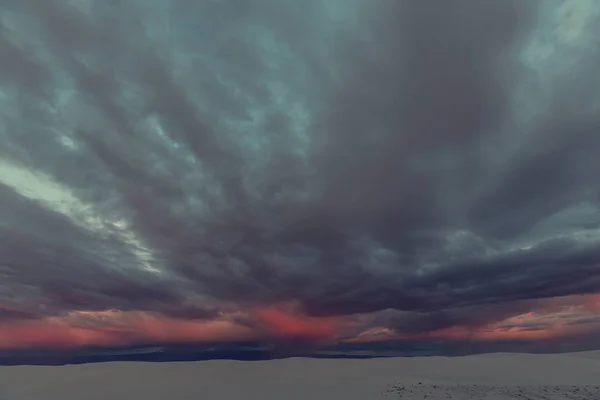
[[493, 376]]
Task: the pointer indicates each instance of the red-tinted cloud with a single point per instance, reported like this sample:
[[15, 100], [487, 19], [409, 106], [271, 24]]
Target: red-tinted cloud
[[286, 324], [559, 318], [80, 329], [592, 303], [113, 328]]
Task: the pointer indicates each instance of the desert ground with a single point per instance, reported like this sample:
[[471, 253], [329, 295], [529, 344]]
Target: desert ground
[[492, 376]]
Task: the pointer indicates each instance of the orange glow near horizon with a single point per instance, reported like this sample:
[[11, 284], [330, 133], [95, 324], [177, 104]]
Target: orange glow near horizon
[[109, 328], [461, 333], [491, 334], [119, 328], [551, 324], [528, 326]]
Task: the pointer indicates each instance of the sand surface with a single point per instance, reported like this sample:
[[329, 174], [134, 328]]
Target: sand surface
[[494, 377]]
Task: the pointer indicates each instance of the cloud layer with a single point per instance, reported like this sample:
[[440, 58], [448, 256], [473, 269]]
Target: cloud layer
[[358, 165]]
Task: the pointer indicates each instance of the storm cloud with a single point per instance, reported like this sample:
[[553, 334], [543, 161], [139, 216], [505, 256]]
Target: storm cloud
[[432, 163]]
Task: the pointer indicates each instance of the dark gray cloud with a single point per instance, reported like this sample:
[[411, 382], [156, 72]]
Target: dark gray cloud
[[12, 315], [349, 156]]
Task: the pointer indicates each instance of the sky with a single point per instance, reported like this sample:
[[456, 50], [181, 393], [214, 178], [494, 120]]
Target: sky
[[329, 171]]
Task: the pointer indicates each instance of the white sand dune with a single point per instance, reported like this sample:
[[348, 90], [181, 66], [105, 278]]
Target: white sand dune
[[493, 376]]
